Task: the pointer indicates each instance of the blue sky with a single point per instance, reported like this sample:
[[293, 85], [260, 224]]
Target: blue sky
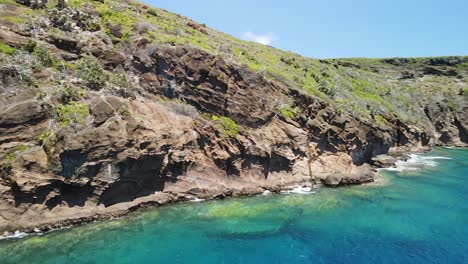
[[338, 28]]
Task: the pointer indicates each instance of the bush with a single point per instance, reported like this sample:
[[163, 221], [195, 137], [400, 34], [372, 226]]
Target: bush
[[227, 125], [152, 12], [124, 19], [125, 112], [42, 139], [17, 70], [69, 94], [41, 95], [119, 79], [145, 27], [71, 113], [4, 48], [8, 161], [42, 54], [45, 58], [30, 46], [33, 3], [325, 88], [68, 19], [381, 121], [92, 73], [286, 111]]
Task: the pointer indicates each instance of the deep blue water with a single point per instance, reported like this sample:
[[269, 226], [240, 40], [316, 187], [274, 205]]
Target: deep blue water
[[418, 215]]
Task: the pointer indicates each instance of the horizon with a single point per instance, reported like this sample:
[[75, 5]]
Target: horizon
[[374, 30]]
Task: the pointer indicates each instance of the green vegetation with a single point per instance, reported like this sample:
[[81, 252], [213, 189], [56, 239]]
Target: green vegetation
[[369, 89], [286, 111], [41, 95], [8, 2], [45, 58], [381, 121], [42, 139], [16, 70], [7, 164], [69, 94], [227, 125], [125, 112], [4, 48], [71, 113], [152, 11], [125, 19], [30, 46], [42, 54], [23, 148], [69, 18], [119, 80], [463, 66], [92, 73]]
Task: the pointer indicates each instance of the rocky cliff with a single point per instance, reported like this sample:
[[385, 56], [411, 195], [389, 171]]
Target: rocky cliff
[[111, 106]]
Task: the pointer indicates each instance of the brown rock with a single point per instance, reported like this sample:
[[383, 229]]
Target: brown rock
[[115, 30], [197, 27], [24, 113], [13, 39], [34, 160], [101, 111], [43, 74]]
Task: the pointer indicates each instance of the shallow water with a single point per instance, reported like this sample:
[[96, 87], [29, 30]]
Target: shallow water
[[418, 214]]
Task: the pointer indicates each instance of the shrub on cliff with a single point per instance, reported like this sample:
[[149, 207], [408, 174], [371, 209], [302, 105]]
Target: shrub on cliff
[[116, 17], [69, 19], [71, 113], [33, 3], [44, 57], [227, 125], [152, 11], [326, 88], [7, 164], [287, 111], [42, 54], [43, 138], [92, 73], [6, 49], [16, 70], [69, 94]]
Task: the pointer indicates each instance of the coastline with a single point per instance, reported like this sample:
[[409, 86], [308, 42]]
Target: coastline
[[399, 214], [112, 116], [161, 199]]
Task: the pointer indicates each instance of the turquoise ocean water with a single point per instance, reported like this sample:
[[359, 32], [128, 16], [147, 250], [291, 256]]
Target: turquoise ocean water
[[416, 214]]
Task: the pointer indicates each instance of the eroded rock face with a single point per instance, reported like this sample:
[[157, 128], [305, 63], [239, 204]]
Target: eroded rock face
[[139, 151], [450, 127]]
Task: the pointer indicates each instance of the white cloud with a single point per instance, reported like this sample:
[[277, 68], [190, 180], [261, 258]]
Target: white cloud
[[265, 39]]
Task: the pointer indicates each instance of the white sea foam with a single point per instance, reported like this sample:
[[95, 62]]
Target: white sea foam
[[197, 200], [416, 162], [299, 190], [15, 235], [266, 192]]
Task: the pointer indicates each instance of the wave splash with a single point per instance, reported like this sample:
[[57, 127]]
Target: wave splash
[[299, 190], [416, 162], [15, 235]]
